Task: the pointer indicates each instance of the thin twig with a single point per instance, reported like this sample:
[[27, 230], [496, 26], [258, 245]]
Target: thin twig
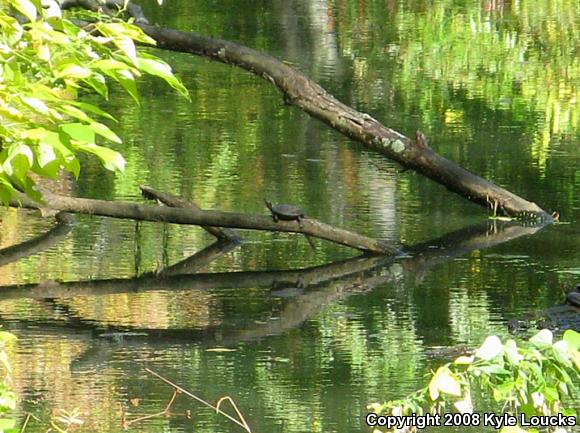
[[127, 423], [28, 416], [242, 423], [235, 406]]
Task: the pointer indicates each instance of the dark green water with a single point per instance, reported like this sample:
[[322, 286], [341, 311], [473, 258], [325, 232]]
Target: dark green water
[[495, 87]]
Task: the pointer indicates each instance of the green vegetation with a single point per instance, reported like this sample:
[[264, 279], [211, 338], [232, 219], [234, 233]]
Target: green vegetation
[[47, 63], [536, 378], [7, 396]]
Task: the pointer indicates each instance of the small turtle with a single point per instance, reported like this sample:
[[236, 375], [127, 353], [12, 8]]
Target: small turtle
[[285, 212]]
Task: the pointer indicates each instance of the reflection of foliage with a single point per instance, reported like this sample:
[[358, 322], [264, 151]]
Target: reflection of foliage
[[522, 58]]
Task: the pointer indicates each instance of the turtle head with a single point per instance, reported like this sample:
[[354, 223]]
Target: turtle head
[[268, 203]]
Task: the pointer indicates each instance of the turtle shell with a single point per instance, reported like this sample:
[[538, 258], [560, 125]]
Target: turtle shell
[[287, 211]]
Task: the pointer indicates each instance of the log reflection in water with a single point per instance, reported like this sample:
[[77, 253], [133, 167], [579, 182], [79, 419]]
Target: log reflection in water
[[320, 285]]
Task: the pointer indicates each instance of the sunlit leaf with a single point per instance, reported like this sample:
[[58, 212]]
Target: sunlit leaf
[[73, 71], [104, 131], [464, 406], [79, 131], [112, 160], [490, 348], [36, 104], [7, 337], [543, 338], [27, 8], [464, 360], [46, 154], [6, 423], [123, 30], [511, 351], [572, 338], [163, 70], [444, 382]]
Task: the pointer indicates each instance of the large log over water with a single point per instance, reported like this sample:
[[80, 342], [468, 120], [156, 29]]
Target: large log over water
[[305, 94], [211, 218]]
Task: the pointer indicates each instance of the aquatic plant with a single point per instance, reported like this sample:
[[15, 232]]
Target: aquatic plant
[[530, 384]]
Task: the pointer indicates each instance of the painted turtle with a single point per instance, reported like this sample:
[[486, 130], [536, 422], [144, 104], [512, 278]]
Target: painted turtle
[[285, 212]]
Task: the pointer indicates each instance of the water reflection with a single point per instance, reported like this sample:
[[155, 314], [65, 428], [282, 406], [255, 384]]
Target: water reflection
[[495, 87]]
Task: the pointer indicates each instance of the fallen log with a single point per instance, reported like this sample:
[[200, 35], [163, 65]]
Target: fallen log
[[173, 201], [299, 90], [144, 212], [310, 97]]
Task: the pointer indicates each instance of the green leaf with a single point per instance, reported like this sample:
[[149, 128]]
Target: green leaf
[[107, 65], [7, 191], [79, 132], [68, 160], [26, 8], [490, 348], [104, 131], [98, 83], [551, 393], [161, 69], [127, 81], [543, 338], [75, 112], [444, 382], [20, 159], [92, 109], [572, 338], [6, 423], [493, 370], [112, 160]]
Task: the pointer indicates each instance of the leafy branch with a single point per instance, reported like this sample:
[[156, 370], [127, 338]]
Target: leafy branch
[[47, 64]]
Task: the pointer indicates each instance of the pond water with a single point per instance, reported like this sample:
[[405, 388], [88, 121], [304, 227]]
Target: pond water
[[493, 84]]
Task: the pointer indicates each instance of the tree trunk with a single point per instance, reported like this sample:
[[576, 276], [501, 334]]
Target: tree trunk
[[302, 92]]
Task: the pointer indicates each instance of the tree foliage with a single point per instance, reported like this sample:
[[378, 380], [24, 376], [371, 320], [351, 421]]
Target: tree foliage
[[47, 64]]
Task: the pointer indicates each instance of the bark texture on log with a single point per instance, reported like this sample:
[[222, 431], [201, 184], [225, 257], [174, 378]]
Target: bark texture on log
[[144, 212], [310, 97], [173, 201]]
